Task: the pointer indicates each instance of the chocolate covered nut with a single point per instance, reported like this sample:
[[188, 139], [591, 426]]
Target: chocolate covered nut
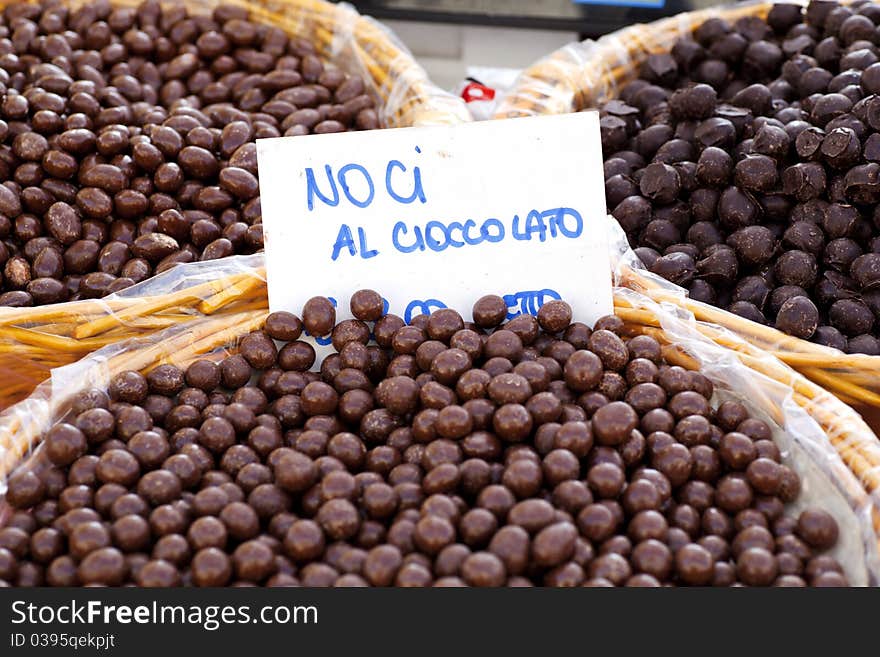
[[165, 380], [103, 566], [129, 387], [694, 565], [64, 444], [554, 316], [319, 316], [757, 567], [613, 423], [203, 374], [483, 569], [259, 350], [489, 311], [554, 544], [211, 567], [283, 326], [583, 370], [817, 528], [798, 317]]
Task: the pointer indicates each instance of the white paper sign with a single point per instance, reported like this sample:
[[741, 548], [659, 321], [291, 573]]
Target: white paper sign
[[437, 217]]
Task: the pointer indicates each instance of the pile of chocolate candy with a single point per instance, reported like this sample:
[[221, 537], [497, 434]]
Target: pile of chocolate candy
[[127, 138], [745, 166], [533, 451]]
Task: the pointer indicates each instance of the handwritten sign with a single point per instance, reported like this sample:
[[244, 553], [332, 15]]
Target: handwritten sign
[[438, 217]]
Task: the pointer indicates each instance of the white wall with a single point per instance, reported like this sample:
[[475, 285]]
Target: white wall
[[446, 50]]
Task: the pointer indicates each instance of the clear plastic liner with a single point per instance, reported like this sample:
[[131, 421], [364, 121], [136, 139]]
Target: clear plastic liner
[[824, 440], [34, 341]]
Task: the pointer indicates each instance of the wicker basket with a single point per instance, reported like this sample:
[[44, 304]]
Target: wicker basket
[[582, 75], [35, 340], [819, 426]]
